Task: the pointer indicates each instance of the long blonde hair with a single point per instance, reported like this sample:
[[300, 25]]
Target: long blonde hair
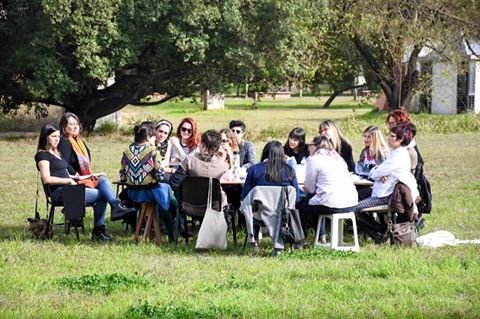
[[378, 148], [334, 134]]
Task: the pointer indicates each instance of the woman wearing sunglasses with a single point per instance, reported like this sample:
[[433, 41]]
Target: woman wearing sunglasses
[[186, 141]]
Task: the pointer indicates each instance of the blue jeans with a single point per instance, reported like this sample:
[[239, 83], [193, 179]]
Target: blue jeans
[[99, 197]]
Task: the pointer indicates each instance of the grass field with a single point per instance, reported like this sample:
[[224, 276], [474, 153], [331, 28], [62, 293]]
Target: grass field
[[69, 278]]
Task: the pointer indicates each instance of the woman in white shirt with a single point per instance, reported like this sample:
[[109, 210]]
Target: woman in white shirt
[[328, 184], [395, 168]]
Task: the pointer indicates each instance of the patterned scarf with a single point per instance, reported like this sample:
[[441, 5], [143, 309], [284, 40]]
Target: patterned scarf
[[82, 154]]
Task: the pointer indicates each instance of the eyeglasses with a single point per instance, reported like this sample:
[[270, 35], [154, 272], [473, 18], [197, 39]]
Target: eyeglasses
[[187, 130], [237, 131]]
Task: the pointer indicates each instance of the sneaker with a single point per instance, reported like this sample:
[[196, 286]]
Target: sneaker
[[100, 234], [276, 252], [119, 211]]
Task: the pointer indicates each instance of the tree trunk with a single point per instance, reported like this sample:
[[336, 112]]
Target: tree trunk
[[337, 92]]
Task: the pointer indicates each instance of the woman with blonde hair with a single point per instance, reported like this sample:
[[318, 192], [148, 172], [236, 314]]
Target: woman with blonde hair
[[374, 153], [328, 184], [340, 143]]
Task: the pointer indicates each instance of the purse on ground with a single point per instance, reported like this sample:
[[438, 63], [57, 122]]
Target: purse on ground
[[404, 234], [213, 230]]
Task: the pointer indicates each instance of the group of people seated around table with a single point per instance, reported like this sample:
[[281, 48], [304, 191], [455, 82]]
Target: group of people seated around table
[[156, 163]]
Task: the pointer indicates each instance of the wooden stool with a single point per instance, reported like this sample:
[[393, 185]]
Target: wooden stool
[[148, 216]]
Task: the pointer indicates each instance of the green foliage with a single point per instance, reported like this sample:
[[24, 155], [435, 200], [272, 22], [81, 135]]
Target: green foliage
[[104, 284], [182, 310], [106, 128]]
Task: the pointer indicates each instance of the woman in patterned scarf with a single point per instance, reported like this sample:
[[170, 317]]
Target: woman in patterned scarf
[[73, 149]]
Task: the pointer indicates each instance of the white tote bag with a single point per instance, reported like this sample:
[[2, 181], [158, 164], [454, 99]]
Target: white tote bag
[[213, 231]]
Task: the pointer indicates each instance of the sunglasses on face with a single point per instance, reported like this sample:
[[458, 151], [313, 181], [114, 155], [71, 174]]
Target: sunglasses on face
[[187, 130], [237, 131]]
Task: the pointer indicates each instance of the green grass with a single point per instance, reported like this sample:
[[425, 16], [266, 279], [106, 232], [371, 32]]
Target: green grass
[[69, 278]]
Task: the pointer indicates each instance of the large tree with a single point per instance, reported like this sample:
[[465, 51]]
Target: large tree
[[390, 35], [62, 52]]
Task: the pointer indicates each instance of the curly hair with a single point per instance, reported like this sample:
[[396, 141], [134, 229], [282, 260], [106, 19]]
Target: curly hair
[[400, 117]]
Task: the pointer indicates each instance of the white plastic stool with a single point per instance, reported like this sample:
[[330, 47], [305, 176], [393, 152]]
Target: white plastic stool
[[336, 232]]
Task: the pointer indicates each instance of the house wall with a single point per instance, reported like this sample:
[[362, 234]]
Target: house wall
[[476, 107], [444, 89]]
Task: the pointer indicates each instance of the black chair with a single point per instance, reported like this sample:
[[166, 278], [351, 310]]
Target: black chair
[[193, 197], [73, 204]]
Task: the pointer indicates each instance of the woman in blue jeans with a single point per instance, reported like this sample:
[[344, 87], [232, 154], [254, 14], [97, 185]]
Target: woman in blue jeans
[[54, 172]]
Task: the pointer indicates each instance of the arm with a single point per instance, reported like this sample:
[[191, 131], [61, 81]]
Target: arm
[[384, 169], [249, 183], [310, 176], [347, 154], [44, 167], [295, 184], [249, 155], [178, 148]]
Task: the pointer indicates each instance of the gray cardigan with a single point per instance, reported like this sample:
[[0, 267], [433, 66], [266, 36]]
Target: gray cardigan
[[265, 203]]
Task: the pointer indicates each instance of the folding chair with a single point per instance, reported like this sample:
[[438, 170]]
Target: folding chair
[[73, 204], [193, 196]]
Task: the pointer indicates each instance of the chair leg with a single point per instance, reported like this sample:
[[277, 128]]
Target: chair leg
[[149, 224], [156, 225], [140, 221], [234, 227]]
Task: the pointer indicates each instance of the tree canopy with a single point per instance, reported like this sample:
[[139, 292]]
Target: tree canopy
[[63, 52]]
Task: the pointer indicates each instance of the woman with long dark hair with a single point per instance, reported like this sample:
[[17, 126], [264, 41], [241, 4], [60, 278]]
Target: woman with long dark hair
[[295, 145], [272, 170], [142, 171], [163, 130]]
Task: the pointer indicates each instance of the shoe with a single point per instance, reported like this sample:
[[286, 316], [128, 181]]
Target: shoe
[[254, 249], [119, 211], [298, 246], [99, 234], [276, 252]]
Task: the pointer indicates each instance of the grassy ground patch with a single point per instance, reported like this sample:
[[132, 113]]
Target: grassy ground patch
[[69, 278]]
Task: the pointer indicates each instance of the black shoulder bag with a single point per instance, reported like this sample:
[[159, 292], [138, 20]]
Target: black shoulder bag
[[291, 229]]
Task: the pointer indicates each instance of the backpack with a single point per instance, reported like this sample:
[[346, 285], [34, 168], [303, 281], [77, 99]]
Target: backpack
[[424, 188]]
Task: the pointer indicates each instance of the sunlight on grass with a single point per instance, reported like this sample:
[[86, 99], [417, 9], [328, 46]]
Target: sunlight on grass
[[64, 277]]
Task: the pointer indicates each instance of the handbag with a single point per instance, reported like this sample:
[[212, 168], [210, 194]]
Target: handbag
[[39, 227], [404, 234], [213, 230], [291, 230]]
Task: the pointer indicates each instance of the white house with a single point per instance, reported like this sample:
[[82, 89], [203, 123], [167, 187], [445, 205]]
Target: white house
[[453, 88]]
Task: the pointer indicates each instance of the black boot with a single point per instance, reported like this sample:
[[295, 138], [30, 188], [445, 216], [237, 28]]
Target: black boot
[[119, 211], [99, 234]]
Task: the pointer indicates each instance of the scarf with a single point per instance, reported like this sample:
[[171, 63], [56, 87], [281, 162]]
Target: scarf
[[162, 148], [81, 152]]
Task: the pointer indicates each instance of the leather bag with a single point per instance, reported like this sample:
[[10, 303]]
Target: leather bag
[[291, 230], [404, 234], [213, 230]]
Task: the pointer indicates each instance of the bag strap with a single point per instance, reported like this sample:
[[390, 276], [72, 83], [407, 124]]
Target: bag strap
[[287, 198], [209, 199], [37, 214]]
